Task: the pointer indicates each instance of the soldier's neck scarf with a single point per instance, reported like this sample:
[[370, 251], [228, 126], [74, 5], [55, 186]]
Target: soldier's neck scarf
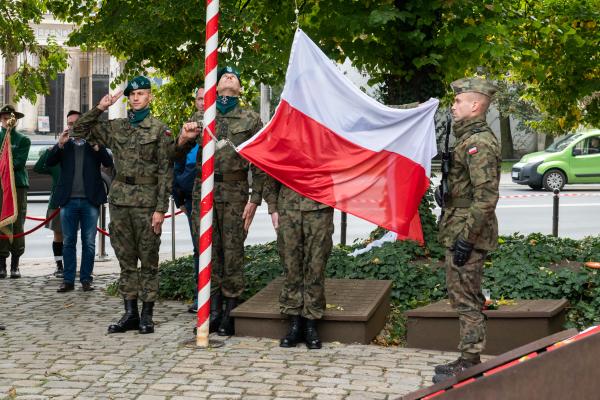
[[137, 116], [226, 103]]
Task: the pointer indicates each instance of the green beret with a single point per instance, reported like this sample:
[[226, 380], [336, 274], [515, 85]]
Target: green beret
[[477, 85], [139, 82], [228, 70], [8, 109]]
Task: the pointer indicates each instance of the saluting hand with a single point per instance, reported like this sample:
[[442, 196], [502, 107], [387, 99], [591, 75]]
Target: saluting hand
[[109, 100], [189, 131]]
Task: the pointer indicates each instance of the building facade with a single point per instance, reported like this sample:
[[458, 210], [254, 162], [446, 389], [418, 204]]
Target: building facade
[[79, 87]]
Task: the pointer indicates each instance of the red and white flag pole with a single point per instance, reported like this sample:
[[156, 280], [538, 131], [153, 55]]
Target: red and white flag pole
[[208, 169]]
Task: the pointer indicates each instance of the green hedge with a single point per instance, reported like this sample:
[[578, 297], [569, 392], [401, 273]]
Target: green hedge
[[523, 267]]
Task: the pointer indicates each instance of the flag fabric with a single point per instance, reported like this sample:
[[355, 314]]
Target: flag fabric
[[334, 144], [8, 208]]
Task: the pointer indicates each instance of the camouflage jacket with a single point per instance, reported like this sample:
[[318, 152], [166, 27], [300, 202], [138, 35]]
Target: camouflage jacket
[[473, 181], [237, 126], [279, 196], [138, 152]]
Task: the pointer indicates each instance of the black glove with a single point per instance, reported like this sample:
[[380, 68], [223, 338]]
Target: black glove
[[462, 251], [437, 195]]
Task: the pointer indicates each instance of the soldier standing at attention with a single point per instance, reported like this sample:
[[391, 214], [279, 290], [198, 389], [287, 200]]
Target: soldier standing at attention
[[233, 210], [139, 195], [20, 150], [469, 228], [304, 228]]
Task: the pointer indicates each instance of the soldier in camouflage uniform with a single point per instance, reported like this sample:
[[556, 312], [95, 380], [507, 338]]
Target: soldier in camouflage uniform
[[304, 229], [233, 212], [469, 228], [139, 195]]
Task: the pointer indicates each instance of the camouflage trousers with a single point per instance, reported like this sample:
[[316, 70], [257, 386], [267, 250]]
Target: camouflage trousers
[[227, 274], [304, 242], [16, 247], [466, 297], [133, 239]]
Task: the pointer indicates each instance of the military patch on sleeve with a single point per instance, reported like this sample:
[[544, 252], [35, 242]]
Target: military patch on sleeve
[[472, 150], [168, 133]]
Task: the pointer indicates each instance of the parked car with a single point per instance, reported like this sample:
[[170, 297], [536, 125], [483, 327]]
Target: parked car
[[572, 159], [40, 184]]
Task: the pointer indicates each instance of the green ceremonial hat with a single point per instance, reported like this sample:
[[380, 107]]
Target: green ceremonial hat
[[478, 85], [8, 109], [139, 82], [228, 70]]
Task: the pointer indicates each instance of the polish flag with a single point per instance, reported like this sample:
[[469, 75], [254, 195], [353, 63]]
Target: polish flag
[[334, 144]]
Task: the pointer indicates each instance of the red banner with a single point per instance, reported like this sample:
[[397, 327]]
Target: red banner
[[8, 208]]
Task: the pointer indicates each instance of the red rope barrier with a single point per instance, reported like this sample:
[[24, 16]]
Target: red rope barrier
[[18, 235], [102, 231], [54, 214], [35, 218]]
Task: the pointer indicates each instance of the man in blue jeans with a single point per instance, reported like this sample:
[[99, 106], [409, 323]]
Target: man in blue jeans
[[79, 193]]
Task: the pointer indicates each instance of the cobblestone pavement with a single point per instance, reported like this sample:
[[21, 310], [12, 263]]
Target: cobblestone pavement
[[55, 346]]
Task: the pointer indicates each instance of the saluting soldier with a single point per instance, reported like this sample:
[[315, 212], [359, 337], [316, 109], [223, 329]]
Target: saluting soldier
[[469, 228], [20, 150], [234, 207], [139, 196]]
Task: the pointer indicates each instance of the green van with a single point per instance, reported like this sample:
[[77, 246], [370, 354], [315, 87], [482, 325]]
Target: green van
[[572, 159]]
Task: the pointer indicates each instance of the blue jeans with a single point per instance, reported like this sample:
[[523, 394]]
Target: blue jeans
[[79, 212], [188, 208]]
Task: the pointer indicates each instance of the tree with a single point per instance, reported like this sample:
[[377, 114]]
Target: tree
[[413, 48], [17, 37], [550, 46]]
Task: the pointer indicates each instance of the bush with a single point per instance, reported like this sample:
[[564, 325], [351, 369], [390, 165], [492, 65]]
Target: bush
[[523, 267]]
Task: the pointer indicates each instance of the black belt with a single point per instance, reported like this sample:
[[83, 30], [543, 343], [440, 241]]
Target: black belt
[[137, 180]]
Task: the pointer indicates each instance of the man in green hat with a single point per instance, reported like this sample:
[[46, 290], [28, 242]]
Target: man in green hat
[[469, 228], [234, 207], [139, 196], [20, 150]]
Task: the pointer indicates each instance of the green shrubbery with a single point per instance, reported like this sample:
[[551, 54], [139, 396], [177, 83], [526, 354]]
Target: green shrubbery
[[523, 267]]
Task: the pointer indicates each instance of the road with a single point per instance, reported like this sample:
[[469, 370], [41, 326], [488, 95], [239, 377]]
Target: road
[[519, 210]]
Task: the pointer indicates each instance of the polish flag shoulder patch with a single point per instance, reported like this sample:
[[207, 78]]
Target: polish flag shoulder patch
[[472, 150]]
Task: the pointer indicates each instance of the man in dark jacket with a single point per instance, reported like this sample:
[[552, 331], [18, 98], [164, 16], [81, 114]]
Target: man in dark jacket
[[79, 199]]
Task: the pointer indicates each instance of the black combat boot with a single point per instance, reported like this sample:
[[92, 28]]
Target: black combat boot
[[146, 323], [445, 371], [14, 268], [311, 336], [216, 312], [2, 267], [2, 327], [294, 335], [226, 327], [129, 321]]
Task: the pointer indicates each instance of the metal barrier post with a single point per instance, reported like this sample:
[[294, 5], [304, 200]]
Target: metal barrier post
[[555, 213], [102, 255], [172, 201], [343, 229]]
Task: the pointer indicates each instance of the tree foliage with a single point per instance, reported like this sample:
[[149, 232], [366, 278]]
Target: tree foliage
[[412, 48], [18, 39]]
